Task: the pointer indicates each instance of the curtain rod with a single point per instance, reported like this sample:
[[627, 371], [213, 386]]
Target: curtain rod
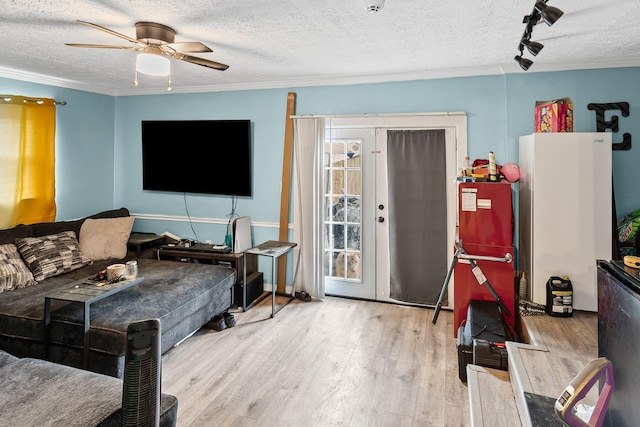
[[365, 115], [9, 98]]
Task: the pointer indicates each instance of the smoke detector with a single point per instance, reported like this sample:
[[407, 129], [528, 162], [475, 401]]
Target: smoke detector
[[373, 6]]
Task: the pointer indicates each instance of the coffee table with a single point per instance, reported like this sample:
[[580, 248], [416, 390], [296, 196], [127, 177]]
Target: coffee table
[[86, 292]]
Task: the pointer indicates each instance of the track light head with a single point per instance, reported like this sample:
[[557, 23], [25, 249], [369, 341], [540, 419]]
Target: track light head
[[540, 11], [549, 14], [533, 47], [523, 62]]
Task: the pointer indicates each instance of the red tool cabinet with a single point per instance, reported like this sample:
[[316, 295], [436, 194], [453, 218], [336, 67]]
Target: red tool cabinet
[[485, 228]]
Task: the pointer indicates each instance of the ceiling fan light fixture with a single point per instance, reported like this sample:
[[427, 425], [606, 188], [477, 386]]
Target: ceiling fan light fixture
[[153, 64], [155, 44]]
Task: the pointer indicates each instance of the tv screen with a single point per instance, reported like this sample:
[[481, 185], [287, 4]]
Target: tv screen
[[197, 156]]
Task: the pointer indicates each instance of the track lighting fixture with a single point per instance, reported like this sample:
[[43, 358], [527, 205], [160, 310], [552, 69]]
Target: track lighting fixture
[[533, 47], [549, 15], [523, 62]]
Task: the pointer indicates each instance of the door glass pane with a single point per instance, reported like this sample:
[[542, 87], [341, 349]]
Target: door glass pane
[[337, 209], [342, 219], [337, 231], [337, 181], [353, 237]]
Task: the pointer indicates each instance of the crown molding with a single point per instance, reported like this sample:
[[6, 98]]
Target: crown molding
[[311, 82], [26, 76]]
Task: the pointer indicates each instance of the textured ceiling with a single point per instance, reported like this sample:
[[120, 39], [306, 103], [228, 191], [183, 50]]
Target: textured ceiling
[[288, 43]]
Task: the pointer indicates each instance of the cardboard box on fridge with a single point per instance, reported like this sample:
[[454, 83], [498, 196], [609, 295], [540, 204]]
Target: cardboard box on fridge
[[554, 116]]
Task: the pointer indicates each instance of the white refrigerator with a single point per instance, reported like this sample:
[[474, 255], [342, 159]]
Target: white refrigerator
[[565, 212]]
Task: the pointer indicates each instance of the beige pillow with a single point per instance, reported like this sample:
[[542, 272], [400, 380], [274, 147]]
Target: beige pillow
[[105, 238]]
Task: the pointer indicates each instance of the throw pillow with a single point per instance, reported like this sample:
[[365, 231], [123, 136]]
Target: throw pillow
[[105, 238], [51, 255], [14, 273]]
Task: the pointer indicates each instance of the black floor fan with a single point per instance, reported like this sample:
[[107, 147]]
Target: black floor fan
[[142, 375]]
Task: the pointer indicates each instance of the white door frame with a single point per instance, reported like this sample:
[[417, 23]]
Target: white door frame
[[455, 124]]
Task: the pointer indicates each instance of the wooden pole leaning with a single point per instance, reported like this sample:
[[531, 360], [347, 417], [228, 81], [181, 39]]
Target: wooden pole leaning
[[285, 192]]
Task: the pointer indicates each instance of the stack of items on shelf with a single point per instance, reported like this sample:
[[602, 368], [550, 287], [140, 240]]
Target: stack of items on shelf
[[487, 170]]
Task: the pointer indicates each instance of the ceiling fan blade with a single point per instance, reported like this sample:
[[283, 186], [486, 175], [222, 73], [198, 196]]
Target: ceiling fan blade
[[199, 61], [102, 46], [189, 47], [107, 30]]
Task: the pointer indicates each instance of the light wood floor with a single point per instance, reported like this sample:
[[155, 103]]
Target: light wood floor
[[339, 362]]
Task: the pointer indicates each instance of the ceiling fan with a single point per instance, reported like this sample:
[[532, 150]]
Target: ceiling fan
[[156, 44]]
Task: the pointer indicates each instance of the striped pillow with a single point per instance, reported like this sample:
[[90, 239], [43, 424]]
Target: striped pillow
[[14, 273], [51, 255]]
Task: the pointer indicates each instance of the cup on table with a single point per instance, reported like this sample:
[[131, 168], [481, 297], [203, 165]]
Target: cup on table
[[115, 272], [131, 270]]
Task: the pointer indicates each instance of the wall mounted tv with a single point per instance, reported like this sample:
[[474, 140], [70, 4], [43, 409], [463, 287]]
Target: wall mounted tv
[[197, 156]]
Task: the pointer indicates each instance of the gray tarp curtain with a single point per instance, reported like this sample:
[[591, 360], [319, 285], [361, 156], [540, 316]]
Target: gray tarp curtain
[[417, 214]]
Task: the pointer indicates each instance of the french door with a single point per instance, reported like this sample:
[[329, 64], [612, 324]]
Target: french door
[[355, 209], [349, 193]]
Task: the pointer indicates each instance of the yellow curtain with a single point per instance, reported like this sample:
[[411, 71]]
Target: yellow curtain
[[27, 160]]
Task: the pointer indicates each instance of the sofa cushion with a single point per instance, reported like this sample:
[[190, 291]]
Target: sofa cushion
[[6, 358], [105, 238], [51, 255], [11, 234], [39, 393], [40, 229], [171, 291], [113, 213], [49, 228], [183, 295], [13, 272]]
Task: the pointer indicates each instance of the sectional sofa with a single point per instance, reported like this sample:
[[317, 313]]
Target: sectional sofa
[[37, 260], [35, 392]]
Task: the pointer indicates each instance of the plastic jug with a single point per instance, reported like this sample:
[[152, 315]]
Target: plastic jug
[[559, 297]]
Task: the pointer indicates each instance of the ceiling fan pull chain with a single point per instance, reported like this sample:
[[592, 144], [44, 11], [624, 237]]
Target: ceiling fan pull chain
[[135, 77], [169, 88]]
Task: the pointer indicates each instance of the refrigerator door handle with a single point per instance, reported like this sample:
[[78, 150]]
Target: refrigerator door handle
[[507, 258]]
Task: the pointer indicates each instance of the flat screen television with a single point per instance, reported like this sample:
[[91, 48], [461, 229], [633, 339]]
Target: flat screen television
[[197, 156]]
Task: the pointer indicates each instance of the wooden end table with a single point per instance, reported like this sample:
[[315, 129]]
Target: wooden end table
[[138, 240]]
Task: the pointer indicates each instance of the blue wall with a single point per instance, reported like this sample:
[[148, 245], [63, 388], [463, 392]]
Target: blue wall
[[583, 87], [99, 147]]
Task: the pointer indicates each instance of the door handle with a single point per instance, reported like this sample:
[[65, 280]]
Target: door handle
[[507, 258]]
